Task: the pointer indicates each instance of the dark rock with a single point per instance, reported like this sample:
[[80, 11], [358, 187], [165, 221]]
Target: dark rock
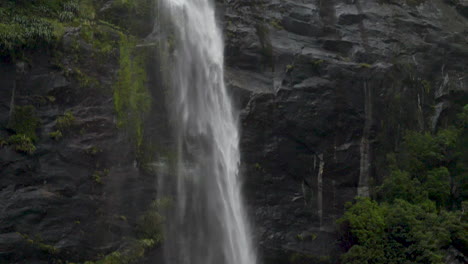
[[343, 76]]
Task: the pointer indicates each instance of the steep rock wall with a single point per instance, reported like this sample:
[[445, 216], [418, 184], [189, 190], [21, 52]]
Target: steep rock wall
[[327, 88]]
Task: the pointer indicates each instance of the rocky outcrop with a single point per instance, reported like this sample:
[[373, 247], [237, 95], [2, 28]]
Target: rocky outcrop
[[326, 89]]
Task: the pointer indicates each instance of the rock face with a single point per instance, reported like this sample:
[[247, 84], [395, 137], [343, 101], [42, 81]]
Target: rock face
[[325, 89], [79, 194]]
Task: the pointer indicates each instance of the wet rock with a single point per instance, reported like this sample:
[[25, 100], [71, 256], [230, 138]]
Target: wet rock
[[337, 74]]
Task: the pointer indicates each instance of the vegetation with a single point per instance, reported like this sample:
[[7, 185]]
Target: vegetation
[[416, 212], [98, 175], [66, 122], [24, 121], [93, 150], [132, 100], [37, 243], [133, 252], [56, 135], [22, 143], [29, 25], [150, 224], [149, 229]]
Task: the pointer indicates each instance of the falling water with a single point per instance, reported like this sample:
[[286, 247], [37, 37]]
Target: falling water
[[208, 224]]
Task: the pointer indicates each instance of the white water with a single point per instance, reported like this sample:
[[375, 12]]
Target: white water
[[208, 224]]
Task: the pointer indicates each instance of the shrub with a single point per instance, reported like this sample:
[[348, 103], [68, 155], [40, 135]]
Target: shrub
[[22, 143]]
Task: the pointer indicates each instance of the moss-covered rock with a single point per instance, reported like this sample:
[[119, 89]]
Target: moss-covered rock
[[24, 121]]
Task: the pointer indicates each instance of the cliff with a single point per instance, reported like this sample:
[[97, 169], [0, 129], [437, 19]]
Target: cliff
[[325, 89]]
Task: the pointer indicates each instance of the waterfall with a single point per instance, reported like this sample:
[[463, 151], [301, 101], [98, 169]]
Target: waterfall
[[208, 223]]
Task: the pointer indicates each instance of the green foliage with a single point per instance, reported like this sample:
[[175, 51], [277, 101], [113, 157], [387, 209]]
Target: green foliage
[[400, 185], [31, 25], [37, 243], [436, 165], [149, 230], [22, 143], [412, 223], [99, 174], [93, 150], [56, 135], [132, 253], [101, 38], [400, 232], [24, 121], [150, 224], [24, 32], [132, 100], [65, 122]]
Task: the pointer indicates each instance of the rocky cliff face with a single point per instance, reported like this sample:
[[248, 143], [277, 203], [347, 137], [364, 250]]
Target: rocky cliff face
[[325, 89]]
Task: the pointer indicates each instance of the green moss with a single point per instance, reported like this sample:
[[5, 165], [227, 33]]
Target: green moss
[[37, 243], [22, 143], [56, 135], [66, 122], [98, 175], [84, 79], [150, 224], [24, 121], [130, 254], [132, 99], [93, 151], [100, 37]]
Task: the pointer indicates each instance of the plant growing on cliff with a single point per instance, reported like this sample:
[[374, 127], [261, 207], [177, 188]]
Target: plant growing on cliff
[[56, 135], [417, 213], [65, 122], [399, 232], [132, 100], [22, 143], [98, 175], [37, 243], [150, 224], [24, 121]]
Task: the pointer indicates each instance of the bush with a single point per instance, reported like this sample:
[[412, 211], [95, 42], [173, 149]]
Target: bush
[[399, 232], [411, 223], [22, 143]]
